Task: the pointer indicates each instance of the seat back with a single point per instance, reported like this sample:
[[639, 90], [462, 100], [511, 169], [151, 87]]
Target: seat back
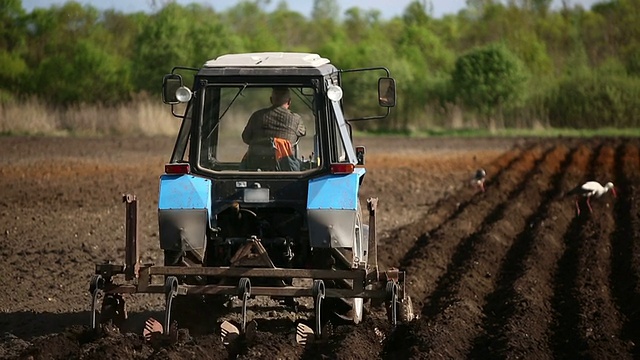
[[270, 154], [261, 155]]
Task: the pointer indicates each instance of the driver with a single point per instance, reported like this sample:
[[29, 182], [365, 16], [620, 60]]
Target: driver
[[276, 121]]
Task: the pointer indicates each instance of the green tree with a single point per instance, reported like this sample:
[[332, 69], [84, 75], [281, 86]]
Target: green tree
[[487, 22], [595, 100], [251, 22], [531, 50], [324, 25], [478, 8], [488, 80], [120, 31], [162, 44], [74, 53], [202, 45], [540, 7], [325, 10], [290, 28], [72, 57], [12, 48], [83, 73], [611, 30], [416, 13]]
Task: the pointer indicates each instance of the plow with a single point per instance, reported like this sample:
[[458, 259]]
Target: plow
[[236, 224]]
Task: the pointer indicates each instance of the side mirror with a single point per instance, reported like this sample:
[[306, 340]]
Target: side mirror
[[387, 92], [170, 85]]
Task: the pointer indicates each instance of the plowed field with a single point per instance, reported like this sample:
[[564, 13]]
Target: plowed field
[[511, 272]]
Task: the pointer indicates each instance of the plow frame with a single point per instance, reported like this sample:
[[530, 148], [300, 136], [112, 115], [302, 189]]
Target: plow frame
[[144, 283], [367, 283]]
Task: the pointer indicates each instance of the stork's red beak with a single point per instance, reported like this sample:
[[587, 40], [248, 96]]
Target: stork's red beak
[[613, 191]]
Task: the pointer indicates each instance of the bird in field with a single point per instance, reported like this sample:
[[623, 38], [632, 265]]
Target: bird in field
[[478, 179], [591, 189]]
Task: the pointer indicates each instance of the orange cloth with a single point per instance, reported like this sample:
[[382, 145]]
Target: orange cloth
[[283, 148]]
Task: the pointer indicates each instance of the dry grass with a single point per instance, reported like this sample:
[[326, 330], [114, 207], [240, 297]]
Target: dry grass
[[141, 116]]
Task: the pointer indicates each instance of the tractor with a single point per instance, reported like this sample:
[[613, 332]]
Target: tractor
[[284, 224]]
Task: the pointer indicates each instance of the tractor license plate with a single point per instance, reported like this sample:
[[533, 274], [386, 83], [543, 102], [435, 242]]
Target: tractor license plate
[[256, 195]]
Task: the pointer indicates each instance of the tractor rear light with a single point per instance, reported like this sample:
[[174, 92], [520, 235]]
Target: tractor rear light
[[177, 168], [342, 168]]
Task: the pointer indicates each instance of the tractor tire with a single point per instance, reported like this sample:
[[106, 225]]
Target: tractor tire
[[348, 309]]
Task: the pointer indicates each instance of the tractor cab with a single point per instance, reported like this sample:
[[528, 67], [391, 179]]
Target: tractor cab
[[229, 89]]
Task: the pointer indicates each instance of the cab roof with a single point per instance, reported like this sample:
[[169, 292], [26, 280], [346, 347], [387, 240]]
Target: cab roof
[[268, 59], [268, 63]]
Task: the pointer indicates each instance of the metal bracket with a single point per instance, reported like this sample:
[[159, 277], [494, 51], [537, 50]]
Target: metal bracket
[[372, 205], [244, 291], [319, 292], [170, 290], [132, 257], [96, 288], [392, 293]]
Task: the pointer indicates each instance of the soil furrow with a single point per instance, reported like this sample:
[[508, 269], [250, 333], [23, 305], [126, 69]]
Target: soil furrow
[[426, 264], [412, 236], [565, 339], [625, 249], [466, 269], [526, 329], [599, 322], [474, 268], [519, 298]]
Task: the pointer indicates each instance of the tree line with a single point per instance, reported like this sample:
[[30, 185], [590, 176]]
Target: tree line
[[494, 64]]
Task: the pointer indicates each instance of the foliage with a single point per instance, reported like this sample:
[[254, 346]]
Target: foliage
[[82, 73], [489, 79], [12, 48], [595, 100], [465, 70], [12, 69]]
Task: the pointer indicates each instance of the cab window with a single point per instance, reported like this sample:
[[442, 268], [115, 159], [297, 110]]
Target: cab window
[[225, 115]]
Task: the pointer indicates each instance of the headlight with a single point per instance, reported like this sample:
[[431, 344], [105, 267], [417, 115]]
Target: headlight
[[183, 94], [334, 93]]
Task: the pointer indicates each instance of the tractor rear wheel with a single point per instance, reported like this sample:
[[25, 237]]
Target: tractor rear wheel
[[348, 309]]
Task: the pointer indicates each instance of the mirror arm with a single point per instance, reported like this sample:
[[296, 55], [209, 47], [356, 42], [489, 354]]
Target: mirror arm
[[371, 117]]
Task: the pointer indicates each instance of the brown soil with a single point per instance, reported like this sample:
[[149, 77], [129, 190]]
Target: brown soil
[[511, 272]]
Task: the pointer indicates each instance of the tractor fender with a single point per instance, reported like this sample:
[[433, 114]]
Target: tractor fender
[[332, 208], [184, 213]]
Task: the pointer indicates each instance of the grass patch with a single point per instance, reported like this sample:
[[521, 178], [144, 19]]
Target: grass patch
[[143, 116], [604, 132], [146, 116]]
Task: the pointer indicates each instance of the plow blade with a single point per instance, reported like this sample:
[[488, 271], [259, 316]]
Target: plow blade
[[231, 333], [306, 336]]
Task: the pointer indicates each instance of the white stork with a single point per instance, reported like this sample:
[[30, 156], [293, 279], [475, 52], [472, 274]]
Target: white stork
[[478, 179], [591, 189]]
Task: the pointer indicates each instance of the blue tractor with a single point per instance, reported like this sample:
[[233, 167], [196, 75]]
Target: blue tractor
[[284, 221]]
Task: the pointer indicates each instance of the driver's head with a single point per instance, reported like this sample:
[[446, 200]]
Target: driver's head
[[280, 96]]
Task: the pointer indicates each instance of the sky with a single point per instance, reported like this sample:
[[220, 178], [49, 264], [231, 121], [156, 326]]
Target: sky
[[388, 8]]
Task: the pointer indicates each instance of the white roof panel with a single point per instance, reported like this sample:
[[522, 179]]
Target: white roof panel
[[268, 59]]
